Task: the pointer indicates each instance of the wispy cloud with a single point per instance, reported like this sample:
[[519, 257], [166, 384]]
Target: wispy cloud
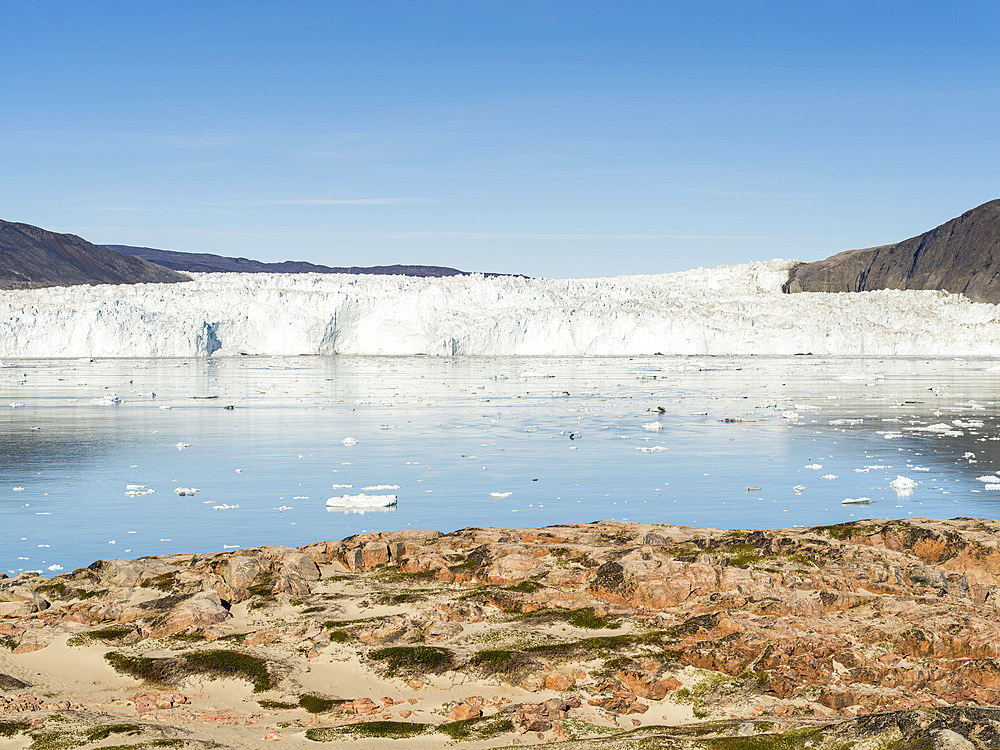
[[567, 236]]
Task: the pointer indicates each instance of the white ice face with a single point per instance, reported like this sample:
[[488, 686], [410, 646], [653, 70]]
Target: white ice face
[[726, 310]]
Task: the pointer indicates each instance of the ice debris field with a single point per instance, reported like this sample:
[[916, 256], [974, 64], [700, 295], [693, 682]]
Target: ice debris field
[[726, 310], [290, 450]]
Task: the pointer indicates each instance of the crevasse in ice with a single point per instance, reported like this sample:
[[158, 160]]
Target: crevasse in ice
[[726, 310]]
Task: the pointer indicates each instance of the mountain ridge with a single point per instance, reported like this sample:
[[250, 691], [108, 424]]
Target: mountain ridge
[[961, 256]]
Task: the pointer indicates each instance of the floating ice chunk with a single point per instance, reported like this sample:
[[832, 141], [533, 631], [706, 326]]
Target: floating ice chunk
[[238, 471], [992, 486], [18, 489], [500, 495], [831, 477], [342, 486], [182, 446], [903, 483], [380, 487], [361, 501], [789, 415], [301, 497], [230, 546], [225, 506], [856, 501], [653, 426], [968, 423], [166, 408], [135, 486], [846, 421], [183, 491], [349, 441], [651, 448], [799, 488], [55, 567], [108, 399], [813, 466], [138, 493], [990, 478], [15, 405]]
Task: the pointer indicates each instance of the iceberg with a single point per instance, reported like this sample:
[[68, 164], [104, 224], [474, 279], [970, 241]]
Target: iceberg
[[736, 309], [361, 501]]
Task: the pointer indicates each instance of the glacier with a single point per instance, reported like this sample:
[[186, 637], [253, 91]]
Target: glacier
[[736, 309]]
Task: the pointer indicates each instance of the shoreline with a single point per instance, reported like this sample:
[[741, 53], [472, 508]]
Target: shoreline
[[495, 637]]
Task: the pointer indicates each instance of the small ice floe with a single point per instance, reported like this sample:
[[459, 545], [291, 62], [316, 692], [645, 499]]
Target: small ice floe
[[856, 501], [300, 497], [500, 495], [846, 421], [349, 441], [342, 486], [361, 501], [15, 405], [878, 467], [238, 471], [184, 491], [55, 567], [18, 489], [225, 506], [166, 408], [813, 467], [653, 426], [230, 546], [651, 448], [135, 486], [903, 484], [831, 477], [799, 488], [789, 415], [108, 399], [989, 478], [380, 487], [969, 423], [286, 507], [138, 493], [182, 446], [751, 488]]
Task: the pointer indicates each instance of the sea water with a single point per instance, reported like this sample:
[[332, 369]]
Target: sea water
[[92, 451]]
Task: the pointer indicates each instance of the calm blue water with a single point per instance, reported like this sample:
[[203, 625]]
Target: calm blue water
[[451, 431]]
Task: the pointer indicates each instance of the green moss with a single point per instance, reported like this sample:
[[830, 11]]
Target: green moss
[[605, 643], [524, 587], [264, 588], [391, 730], [53, 587], [413, 658], [840, 531], [81, 594], [233, 663], [481, 728], [142, 667], [310, 610], [585, 618], [276, 705], [102, 733], [8, 642], [164, 582], [340, 636], [795, 739], [108, 635], [11, 728], [317, 704]]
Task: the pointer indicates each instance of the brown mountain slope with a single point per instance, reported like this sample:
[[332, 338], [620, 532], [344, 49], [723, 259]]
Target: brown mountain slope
[[31, 257], [961, 255]]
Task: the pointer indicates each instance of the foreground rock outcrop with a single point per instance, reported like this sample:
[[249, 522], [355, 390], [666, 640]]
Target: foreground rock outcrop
[[961, 256], [643, 635]]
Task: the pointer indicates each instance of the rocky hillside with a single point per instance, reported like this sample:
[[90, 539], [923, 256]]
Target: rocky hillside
[[606, 635], [961, 255], [208, 263], [31, 257]]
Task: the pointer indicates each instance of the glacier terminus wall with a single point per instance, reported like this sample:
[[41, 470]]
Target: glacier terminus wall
[[725, 310]]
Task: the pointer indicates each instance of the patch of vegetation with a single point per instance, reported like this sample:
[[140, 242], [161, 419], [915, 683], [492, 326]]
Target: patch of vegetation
[[144, 667], [81, 594], [265, 588], [413, 658], [399, 598], [276, 705], [102, 733], [803, 559], [7, 642], [481, 728], [585, 618], [317, 704], [233, 663], [164, 582], [608, 643], [840, 531], [500, 662], [716, 683], [791, 740], [53, 587], [391, 730], [524, 587], [339, 636], [110, 634], [310, 610], [11, 728]]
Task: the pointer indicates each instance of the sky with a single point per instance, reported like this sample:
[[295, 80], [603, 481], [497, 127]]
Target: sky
[[549, 138]]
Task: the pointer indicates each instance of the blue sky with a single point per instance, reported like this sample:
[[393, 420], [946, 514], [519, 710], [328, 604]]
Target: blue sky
[[547, 138]]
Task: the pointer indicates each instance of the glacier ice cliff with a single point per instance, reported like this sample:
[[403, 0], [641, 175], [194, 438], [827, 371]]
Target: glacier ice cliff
[[725, 310]]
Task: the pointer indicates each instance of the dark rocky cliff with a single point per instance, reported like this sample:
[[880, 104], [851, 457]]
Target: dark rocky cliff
[[31, 257], [961, 255]]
